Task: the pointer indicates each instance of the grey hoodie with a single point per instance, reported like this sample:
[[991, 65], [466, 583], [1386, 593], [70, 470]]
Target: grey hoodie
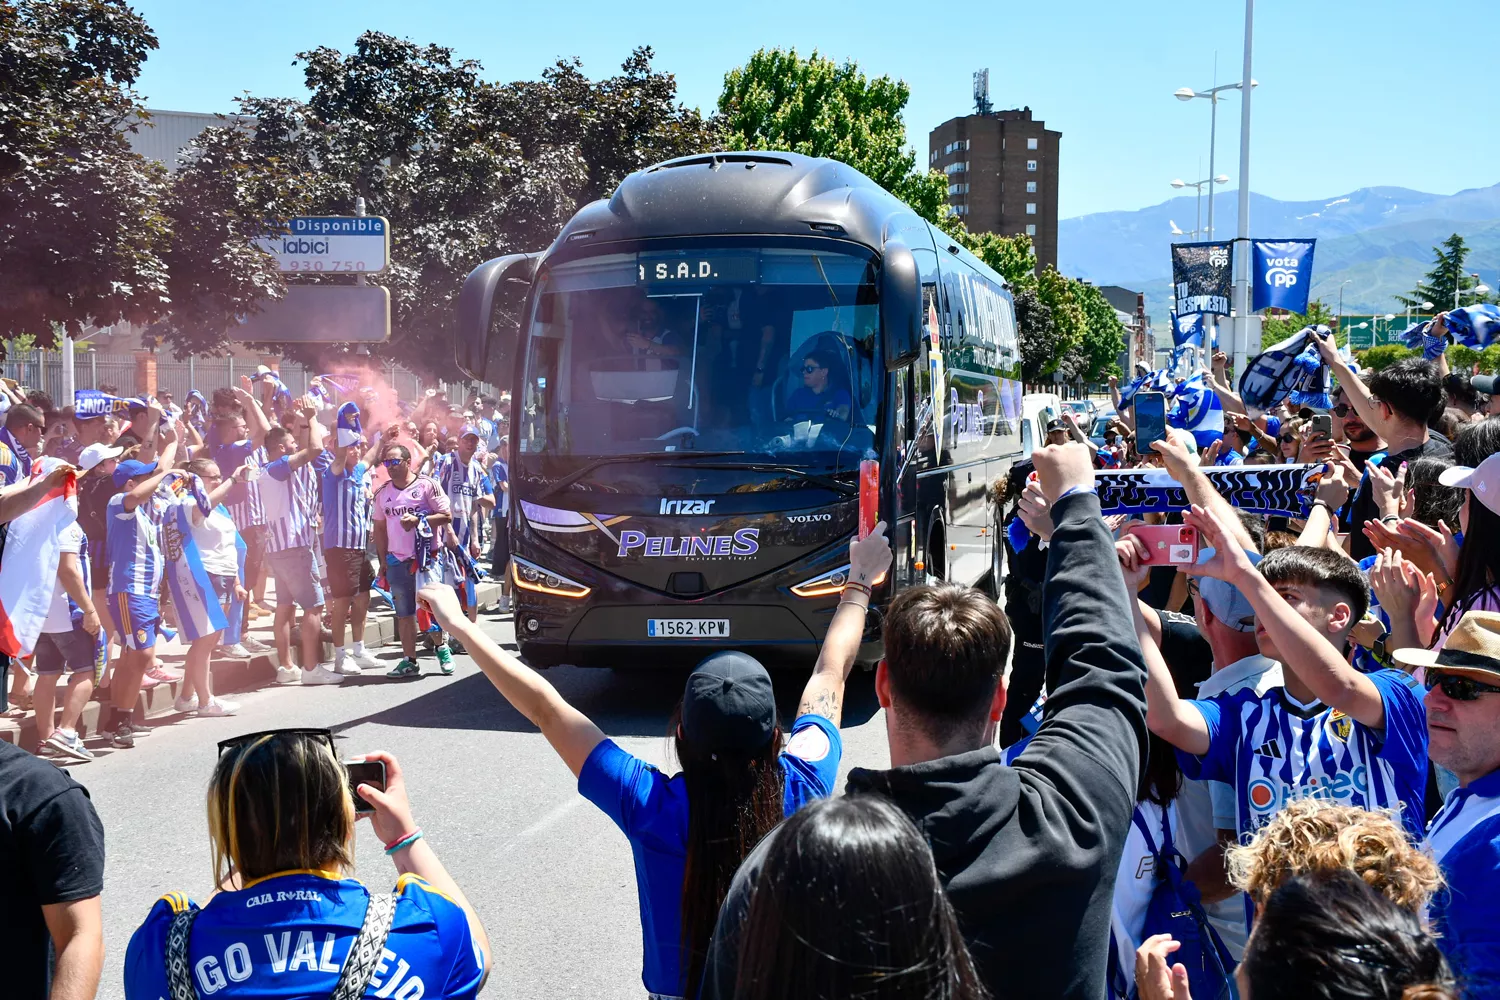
[[1027, 852]]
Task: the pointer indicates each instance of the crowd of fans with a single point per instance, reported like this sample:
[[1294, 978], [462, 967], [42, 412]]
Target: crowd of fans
[[1270, 772], [262, 488]]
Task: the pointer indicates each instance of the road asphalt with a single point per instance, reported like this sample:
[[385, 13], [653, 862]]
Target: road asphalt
[[551, 876]]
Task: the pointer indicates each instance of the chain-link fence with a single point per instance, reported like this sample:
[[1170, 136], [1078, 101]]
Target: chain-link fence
[[93, 370]]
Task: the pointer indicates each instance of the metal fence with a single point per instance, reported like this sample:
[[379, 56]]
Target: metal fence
[[91, 369]]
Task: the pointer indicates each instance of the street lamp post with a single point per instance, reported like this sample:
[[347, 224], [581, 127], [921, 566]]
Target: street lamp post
[[1212, 95], [1198, 186], [1479, 289], [1242, 238]]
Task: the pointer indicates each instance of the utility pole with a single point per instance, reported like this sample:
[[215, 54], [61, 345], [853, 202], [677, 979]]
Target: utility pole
[[1242, 249]]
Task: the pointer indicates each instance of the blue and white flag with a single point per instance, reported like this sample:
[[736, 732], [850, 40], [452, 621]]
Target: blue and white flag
[[347, 424], [193, 595], [1190, 330], [1282, 274], [1291, 370], [90, 403], [1198, 411], [1475, 326]]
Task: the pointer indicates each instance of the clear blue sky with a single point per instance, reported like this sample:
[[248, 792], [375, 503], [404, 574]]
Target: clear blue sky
[[1353, 93]]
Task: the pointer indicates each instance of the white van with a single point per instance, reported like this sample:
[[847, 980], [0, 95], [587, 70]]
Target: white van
[[1038, 409]]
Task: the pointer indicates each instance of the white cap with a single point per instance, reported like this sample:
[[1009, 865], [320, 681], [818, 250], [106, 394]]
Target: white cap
[[96, 453], [1483, 482]]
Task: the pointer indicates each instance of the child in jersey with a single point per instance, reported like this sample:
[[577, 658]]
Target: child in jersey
[[289, 916], [1330, 732], [133, 521]]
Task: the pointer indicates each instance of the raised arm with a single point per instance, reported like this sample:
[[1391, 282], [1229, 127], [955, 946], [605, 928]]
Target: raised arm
[[141, 491], [1095, 716], [17, 499], [824, 694], [1182, 463], [1355, 390], [1167, 715], [314, 447], [255, 418], [1304, 651], [569, 731]]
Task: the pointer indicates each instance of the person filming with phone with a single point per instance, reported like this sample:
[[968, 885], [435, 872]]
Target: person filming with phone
[[287, 920]]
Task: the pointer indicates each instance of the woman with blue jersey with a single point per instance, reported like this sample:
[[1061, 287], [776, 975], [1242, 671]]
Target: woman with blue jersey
[[281, 820], [689, 832]]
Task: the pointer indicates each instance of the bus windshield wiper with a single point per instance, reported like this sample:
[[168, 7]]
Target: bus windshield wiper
[[645, 456], [827, 482]]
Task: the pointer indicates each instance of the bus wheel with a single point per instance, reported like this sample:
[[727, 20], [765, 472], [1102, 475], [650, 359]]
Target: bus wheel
[[997, 571], [935, 570]]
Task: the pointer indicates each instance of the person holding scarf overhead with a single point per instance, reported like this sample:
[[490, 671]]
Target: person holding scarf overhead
[[205, 575]]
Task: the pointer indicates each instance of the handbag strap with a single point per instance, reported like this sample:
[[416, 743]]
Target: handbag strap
[[364, 955], [179, 975], [354, 978]]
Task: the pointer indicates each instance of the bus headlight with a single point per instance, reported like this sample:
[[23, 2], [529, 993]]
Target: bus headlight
[[829, 583], [529, 576]]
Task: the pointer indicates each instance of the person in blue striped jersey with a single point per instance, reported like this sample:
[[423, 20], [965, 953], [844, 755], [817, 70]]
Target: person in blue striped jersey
[[344, 471], [1330, 732]]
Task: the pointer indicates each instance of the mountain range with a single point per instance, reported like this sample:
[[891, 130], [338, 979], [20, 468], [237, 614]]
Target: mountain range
[[1380, 240]]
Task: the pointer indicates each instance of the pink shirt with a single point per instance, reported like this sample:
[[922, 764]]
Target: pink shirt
[[421, 496]]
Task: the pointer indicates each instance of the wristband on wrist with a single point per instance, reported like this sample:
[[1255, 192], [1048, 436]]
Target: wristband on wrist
[[400, 843], [863, 588]]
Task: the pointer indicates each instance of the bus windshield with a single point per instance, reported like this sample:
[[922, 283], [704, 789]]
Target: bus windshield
[[765, 352]]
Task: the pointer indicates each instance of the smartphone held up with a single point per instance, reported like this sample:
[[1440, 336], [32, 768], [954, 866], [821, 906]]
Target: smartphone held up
[[1150, 420], [364, 772]]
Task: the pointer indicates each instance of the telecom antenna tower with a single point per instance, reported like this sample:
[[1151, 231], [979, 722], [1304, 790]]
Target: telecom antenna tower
[[982, 105]]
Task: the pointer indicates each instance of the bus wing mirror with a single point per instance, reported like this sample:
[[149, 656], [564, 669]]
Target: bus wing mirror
[[900, 306], [489, 316]]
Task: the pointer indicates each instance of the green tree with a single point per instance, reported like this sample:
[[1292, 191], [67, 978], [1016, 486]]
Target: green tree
[[1068, 323], [1446, 274], [1013, 256], [817, 107], [81, 231], [463, 168], [1278, 328]]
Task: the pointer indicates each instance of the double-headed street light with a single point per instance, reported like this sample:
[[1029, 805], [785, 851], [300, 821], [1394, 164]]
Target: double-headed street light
[[1479, 289], [1212, 95], [1179, 183]]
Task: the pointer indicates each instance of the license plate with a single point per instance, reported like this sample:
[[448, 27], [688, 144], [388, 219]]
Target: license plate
[[687, 628]]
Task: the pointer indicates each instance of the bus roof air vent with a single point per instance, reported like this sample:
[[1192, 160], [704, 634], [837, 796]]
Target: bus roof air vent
[[717, 160], [827, 227]]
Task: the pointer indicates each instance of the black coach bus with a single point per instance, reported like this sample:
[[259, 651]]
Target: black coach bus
[[699, 365]]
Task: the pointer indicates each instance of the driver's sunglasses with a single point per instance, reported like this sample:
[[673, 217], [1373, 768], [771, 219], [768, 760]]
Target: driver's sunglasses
[[237, 742], [1457, 686], [1341, 411], [809, 369]]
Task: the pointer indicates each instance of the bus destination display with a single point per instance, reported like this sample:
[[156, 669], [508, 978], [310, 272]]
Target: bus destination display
[[705, 268]]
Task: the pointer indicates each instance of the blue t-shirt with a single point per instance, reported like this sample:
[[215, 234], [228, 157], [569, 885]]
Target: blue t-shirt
[[1271, 752], [286, 936], [804, 401], [652, 811], [1465, 840]]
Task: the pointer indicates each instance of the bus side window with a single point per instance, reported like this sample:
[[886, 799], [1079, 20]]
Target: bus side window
[[1028, 445]]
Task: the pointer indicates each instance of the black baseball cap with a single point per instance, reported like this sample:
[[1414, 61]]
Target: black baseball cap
[[729, 704], [1056, 424]]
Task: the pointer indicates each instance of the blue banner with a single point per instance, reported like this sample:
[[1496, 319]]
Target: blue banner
[[1282, 274], [1189, 330]]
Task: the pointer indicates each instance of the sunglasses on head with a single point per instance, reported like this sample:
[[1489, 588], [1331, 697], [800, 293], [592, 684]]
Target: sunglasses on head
[[1457, 686], [237, 742]]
